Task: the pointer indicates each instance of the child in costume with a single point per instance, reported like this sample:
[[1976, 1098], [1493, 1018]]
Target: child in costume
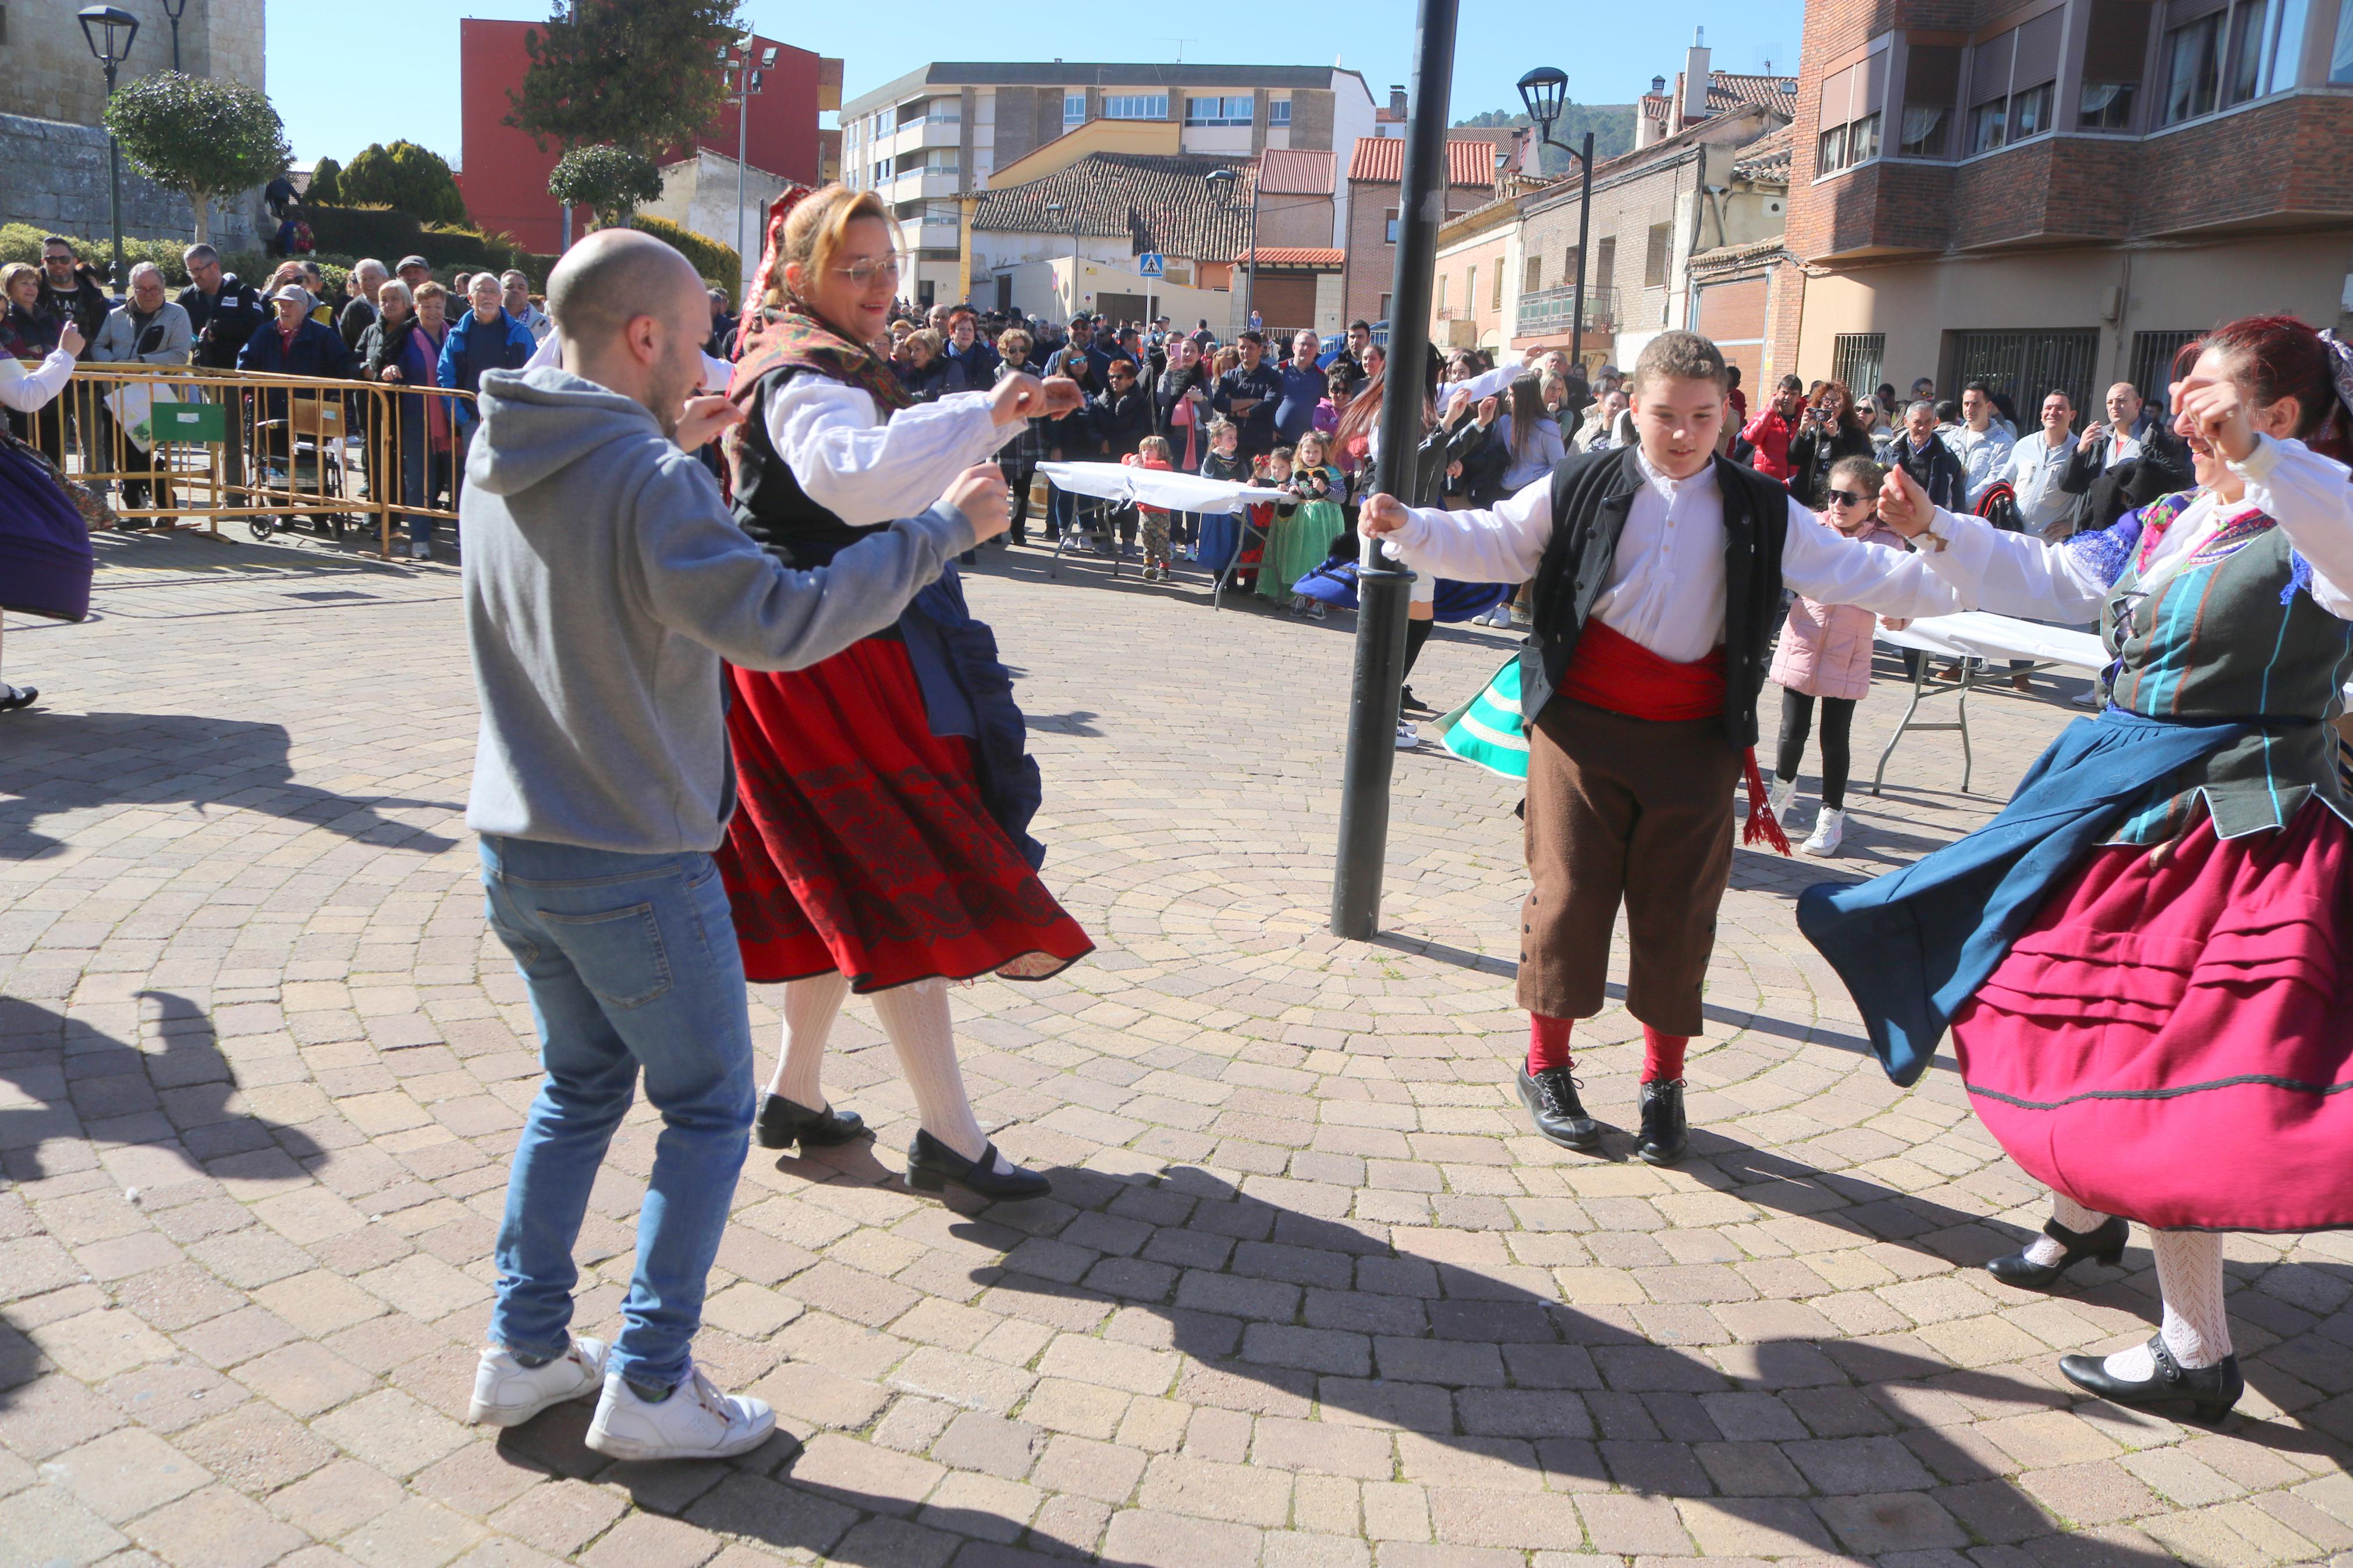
[[1658, 572], [1152, 452]]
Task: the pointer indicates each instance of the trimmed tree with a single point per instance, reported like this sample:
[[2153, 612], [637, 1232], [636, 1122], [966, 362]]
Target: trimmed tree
[[640, 74], [325, 188], [407, 178], [207, 138], [609, 181]]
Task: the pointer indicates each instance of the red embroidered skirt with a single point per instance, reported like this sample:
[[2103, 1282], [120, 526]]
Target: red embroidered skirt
[[2172, 1038], [859, 843]]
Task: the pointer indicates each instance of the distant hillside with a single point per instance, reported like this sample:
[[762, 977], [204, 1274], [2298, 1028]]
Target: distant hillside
[[1612, 125]]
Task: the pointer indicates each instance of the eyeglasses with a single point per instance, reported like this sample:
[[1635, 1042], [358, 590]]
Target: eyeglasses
[[1846, 498], [866, 273]]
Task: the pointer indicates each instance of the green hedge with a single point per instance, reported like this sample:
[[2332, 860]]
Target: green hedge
[[22, 242], [718, 264]]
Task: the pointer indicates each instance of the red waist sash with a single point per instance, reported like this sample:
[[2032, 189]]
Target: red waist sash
[[1610, 670]]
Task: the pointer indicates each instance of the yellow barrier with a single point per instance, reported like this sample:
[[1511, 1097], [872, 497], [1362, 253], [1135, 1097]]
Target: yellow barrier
[[185, 446]]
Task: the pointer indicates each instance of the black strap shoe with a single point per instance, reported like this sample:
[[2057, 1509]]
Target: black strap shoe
[[1551, 1099], [15, 697], [1665, 1135], [784, 1123], [932, 1165], [2209, 1390], [2104, 1241]]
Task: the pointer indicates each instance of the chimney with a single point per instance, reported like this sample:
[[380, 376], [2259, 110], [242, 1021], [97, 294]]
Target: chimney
[[1695, 79], [1397, 102]]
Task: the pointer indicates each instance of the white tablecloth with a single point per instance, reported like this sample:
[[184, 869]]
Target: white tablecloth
[[1982, 635], [1152, 486]]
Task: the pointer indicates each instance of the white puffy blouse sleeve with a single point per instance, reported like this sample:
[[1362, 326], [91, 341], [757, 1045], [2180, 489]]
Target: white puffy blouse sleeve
[[2306, 494], [1829, 570], [2018, 574], [866, 470], [25, 390], [1503, 544]]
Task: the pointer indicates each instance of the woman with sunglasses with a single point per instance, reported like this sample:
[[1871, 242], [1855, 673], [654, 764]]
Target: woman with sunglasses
[[881, 843], [2141, 959], [1825, 655]]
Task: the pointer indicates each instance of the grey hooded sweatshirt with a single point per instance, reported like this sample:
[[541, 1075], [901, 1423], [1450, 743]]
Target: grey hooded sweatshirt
[[604, 582]]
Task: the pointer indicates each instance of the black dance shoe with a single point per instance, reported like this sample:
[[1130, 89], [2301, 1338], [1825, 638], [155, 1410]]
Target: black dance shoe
[[1665, 1135], [932, 1165], [2209, 1390], [782, 1122], [1551, 1099], [2104, 1241]]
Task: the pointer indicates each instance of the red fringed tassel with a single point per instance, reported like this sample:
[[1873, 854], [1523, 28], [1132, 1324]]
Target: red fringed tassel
[[1761, 824]]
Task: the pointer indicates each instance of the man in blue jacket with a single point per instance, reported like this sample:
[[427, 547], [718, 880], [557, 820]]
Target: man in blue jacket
[[292, 344], [484, 338]]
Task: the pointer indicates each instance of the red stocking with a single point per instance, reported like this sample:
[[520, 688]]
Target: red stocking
[[1662, 1056], [1547, 1041]]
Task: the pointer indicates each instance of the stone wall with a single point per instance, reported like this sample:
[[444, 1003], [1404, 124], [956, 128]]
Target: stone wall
[[50, 73], [56, 180]]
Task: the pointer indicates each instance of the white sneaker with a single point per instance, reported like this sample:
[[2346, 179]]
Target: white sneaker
[[508, 1393], [419, 551], [1779, 799], [1408, 737], [696, 1422], [1829, 829]]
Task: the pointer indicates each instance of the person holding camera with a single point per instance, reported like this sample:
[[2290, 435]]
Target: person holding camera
[[1829, 431]]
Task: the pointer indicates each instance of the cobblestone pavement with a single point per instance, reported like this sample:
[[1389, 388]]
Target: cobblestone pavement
[[1308, 1291]]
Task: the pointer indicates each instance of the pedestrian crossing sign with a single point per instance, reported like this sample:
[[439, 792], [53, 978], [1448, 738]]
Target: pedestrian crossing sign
[[1150, 264]]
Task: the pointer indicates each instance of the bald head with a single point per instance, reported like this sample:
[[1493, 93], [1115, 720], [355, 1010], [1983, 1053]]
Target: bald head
[[612, 277], [631, 315]]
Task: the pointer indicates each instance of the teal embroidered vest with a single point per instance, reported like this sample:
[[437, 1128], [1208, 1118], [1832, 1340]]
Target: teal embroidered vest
[[2234, 634]]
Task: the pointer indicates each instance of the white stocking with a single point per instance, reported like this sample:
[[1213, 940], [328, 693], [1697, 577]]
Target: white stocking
[[916, 1018], [810, 1007], [2069, 1215], [2189, 1279]]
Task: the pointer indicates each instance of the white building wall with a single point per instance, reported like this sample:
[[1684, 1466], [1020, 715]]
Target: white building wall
[[1352, 117]]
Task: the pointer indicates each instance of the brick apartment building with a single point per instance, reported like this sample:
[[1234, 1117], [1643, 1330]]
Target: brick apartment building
[[1376, 180], [2059, 193]]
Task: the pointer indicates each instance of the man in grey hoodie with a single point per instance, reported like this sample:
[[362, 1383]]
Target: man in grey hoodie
[[604, 582]]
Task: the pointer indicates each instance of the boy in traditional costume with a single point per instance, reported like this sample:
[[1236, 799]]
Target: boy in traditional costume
[[1658, 572]]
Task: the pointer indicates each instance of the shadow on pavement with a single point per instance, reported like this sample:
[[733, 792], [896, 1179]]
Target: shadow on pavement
[[78, 1083], [62, 762]]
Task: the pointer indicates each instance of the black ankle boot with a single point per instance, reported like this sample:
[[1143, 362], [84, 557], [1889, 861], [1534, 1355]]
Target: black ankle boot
[[1551, 1099], [2209, 1390], [782, 1123], [2104, 1241], [1665, 1135], [932, 1165]]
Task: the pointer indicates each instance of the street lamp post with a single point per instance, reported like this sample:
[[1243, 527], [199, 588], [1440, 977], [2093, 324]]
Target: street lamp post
[[1382, 588], [175, 10], [1545, 91], [110, 30], [748, 83]]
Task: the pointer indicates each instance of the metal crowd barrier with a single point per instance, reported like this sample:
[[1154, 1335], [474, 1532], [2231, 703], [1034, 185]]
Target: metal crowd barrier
[[182, 447]]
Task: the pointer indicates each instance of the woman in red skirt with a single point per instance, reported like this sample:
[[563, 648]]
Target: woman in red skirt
[[2146, 960], [880, 844]]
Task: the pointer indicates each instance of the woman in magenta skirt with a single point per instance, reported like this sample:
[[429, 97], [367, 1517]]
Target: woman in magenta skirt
[[880, 844], [2146, 960]]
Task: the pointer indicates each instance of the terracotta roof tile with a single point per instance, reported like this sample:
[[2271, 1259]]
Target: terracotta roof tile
[[1300, 173], [1174, 202], [1382, 158], [1295, 256], [1767, 158]]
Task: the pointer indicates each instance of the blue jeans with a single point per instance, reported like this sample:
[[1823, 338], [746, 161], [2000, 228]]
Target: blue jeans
[[423, 470], [632, 966]]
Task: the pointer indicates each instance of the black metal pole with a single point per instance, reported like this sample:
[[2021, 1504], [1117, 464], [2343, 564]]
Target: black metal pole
[[1584, 226], [114, 184], [1382, 586]]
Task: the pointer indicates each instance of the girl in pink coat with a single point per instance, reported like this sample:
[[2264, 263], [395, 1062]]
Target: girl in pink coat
[[1825, 653]]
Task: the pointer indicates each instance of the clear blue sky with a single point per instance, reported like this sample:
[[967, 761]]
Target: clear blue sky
[[332, 87]]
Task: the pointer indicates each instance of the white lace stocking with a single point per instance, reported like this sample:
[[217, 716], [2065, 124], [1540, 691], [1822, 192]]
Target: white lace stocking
[[2189, 1279], [916, 1018], [810, 1007]]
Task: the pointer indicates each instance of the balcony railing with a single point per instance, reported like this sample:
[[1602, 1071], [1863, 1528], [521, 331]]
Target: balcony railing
[[1552, 309]]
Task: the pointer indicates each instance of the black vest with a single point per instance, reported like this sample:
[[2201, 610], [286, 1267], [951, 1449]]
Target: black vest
[[770, 504], [1591, 494]]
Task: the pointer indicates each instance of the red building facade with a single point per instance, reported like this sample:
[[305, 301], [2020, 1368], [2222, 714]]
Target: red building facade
[[505, 173]]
